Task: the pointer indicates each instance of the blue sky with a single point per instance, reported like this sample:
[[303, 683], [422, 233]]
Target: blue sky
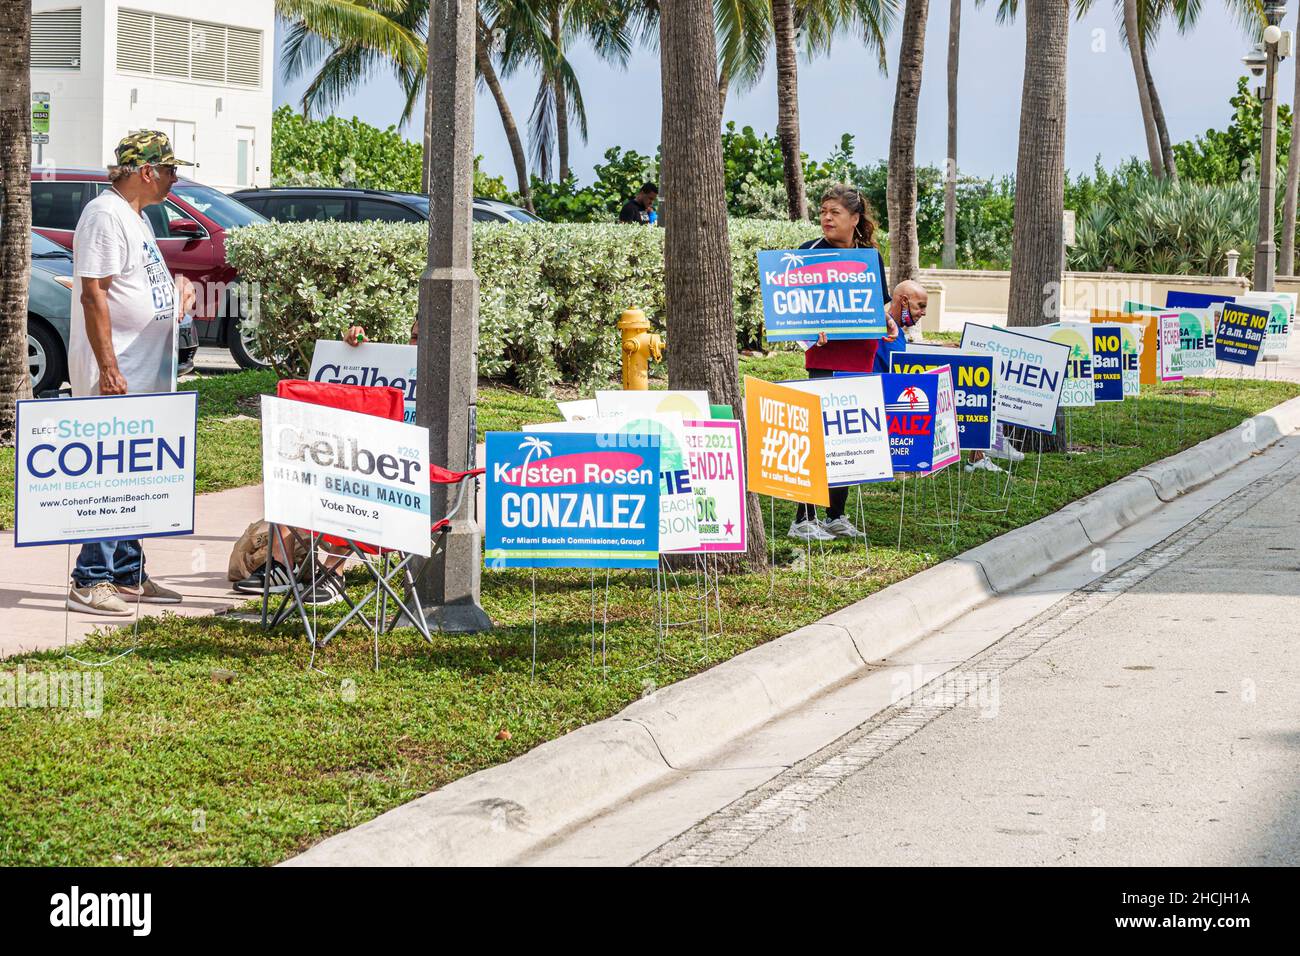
[[845, 92]]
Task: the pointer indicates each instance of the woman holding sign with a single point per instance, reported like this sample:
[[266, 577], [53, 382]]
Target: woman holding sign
[[847, 222]]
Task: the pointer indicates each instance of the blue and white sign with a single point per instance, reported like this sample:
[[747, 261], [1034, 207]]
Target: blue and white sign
[[104, 468], [973, 378], [356, 476], [910, 404], [810, 291], [572, 500], [1108, 362], [1031, 374], [1240, 336], [856, 431], [371, 363]]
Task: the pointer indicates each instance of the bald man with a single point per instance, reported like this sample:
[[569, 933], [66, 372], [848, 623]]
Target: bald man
[[906, 308]]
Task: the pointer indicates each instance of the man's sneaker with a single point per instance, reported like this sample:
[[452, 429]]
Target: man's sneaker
[[101, 598], [842, 527], [253, 583], [327, 590], [151, 592], [984, 464], [809, 530]]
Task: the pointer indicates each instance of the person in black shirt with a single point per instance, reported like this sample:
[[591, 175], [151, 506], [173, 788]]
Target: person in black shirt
[[639, 209]]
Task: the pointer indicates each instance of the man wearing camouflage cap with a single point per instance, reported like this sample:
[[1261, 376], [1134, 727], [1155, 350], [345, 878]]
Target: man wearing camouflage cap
[[125, 308]]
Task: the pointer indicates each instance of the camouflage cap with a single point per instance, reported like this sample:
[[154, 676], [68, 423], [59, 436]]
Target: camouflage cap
[[147, 147]]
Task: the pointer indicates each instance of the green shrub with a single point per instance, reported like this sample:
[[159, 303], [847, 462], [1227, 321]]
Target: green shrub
[[549, 294]]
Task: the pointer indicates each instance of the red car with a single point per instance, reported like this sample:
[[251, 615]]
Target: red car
[[191, 227]]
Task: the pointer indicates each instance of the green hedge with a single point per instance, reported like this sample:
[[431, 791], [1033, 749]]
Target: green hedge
[[550, 294]]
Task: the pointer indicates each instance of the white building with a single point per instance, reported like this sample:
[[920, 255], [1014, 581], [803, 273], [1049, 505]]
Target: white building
[[199, 72]]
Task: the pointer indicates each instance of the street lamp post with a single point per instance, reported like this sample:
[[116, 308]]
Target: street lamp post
[[1265, 248], [447, 359]]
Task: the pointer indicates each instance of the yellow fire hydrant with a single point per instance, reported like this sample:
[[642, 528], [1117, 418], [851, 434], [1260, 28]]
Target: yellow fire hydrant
[[640, 345]]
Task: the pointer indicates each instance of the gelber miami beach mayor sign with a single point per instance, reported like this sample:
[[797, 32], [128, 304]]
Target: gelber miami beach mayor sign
[[572, 500], [810, 291]]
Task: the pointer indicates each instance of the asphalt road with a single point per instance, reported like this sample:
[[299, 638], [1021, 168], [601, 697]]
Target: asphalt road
[[1151, 717]]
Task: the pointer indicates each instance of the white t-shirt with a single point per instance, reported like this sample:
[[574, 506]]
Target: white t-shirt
[[113, 240]]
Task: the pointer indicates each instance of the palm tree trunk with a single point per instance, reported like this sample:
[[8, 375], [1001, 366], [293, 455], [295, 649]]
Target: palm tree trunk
[[1286, 264], [1134, 38], [724, 83], [950, 168], [697, 253], [904, 253], [787, 107], [561, 100], [489, 74], [16, 213], [1040, 171], [1158, 116]]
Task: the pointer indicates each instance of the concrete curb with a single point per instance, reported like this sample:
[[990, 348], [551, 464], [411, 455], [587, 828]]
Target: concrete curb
[[495, 815]]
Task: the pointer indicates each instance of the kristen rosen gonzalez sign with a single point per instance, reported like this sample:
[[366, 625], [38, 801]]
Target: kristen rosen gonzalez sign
[[810, 291], [1031, 374], [356, 476], [372, 363], [572, 500], [103, 468]]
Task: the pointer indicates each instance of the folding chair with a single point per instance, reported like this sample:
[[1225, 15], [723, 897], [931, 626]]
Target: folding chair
[[380, 401]]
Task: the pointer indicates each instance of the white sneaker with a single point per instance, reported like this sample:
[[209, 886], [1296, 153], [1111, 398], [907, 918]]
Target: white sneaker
[[809, 530], [984, 464], [101, 598], [842, 527]]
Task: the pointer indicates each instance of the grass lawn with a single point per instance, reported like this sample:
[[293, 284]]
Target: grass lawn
[[186, 767]]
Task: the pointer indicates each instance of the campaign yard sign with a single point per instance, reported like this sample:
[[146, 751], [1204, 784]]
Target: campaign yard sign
[[718, 482], [857, 435], [691, 405], [1146, 328], [357, 476], [571, 500], [809, 291], [1130, 342], [1196, 339], [371, 363], [913, 402], [1031, 374], [784, 443], [1108, 362], [1281, 314], [973, 378], [1240, 336], [103, 468], [678, 525], [1169, 354], [1078, 390]]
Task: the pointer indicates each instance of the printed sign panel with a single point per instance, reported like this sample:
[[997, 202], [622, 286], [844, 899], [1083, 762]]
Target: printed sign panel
[[1078, 390], [974, 376], [1108, 362], [693, 406], [1146, 329], [371, 363], [911, 402], [1196, 338], [678, 526], [785, 444], [857, 435], [344, 473], [572, 500], [1281, 316], [1031, 374], [1130, 341], [1171, 356], [104, 468], [578, 410], [809, 291], [1240, 336], [947, 447], [718, 481]]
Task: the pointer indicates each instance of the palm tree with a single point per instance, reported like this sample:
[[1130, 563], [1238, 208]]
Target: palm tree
[[950, 166], [904, 249], [698, 300], [16, 213], [1040, 169], [787, 116]]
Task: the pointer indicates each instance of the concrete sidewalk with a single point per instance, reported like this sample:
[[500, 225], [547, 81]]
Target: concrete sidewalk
[[34, 581]]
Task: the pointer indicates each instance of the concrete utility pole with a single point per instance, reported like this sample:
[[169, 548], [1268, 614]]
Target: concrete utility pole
[[447, 398], [1265, 247]]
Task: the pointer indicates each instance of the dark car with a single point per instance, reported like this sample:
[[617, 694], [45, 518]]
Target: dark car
[[190, 226], [313, 204]]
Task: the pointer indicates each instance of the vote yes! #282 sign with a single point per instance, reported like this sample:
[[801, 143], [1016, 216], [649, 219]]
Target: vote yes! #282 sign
[[785, 443], [572, 500], [104, 468], [809, 291]]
